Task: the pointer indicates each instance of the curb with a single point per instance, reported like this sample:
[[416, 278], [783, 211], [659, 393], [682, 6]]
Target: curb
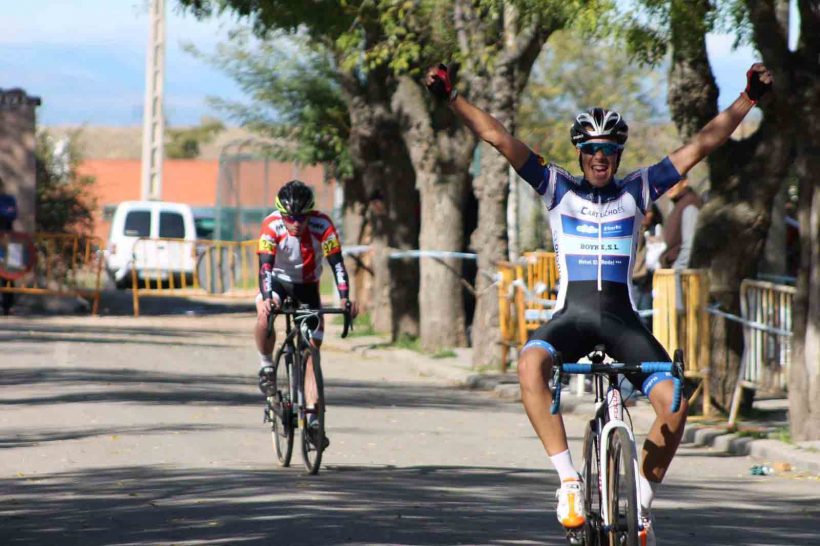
[[801, 459], [457, 372]]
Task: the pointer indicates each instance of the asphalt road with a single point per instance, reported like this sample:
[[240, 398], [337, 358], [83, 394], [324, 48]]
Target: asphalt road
[[121, 431]]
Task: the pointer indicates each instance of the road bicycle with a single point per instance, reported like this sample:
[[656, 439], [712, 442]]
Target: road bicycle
[[286, 406], [610, 471]]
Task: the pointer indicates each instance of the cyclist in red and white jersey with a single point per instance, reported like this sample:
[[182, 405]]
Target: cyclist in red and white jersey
[[595, 220], [293, 240]]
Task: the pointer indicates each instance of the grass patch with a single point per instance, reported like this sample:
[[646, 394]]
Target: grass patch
[[754, 434], [444, 353], [783, 434], [327, 287], [408, 342], [362, 325]]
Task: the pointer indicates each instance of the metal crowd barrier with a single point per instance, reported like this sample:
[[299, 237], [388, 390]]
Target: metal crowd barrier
[[680, 320], [62, 265], [768, 336], [506, 311], [525, 298], [766, 315], [228, 268], [182, 268]]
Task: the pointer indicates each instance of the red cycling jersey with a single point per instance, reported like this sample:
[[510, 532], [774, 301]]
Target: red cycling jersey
[[298, 260]]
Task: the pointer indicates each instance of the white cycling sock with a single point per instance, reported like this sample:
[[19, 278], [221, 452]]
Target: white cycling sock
[[265, 360], [563, 464], [648, 490]]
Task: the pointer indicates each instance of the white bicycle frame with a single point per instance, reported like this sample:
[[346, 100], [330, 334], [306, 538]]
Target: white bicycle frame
[[615, 409]]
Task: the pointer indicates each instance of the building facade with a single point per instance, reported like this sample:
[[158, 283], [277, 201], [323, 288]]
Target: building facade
[[231, 196], [17, 160]]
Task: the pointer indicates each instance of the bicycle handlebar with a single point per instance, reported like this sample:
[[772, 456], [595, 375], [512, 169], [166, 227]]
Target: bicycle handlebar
[[299, 312], [675, 368]]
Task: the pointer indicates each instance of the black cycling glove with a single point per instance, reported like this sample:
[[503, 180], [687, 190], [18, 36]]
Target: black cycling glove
[[442, 87], [754, 87]]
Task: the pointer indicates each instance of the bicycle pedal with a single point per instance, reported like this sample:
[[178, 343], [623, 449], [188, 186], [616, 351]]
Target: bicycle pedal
[[575, 537]]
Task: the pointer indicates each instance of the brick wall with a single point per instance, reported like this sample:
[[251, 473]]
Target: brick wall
[[195, 182]]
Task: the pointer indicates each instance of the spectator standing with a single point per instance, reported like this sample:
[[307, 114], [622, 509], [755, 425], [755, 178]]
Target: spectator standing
[[679, 228], [8, 213], [646, 261]]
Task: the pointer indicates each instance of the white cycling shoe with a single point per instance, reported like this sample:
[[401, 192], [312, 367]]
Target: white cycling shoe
[[647, 534], [570, 509]]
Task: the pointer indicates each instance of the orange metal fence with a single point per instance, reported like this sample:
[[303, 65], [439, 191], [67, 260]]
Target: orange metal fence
[[526, 294], [180, 268], [63, 265]]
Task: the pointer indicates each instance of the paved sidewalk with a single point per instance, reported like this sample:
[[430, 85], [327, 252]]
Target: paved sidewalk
[[803, 457]]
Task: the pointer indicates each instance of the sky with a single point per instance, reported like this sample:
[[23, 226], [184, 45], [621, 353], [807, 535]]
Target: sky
[[86, 60]]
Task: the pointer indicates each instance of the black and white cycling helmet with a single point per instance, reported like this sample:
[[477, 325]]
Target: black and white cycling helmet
[[599, 123], [295, 197]]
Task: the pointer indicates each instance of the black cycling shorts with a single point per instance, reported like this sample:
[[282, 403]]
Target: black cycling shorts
[[306, 293], [591, 317]]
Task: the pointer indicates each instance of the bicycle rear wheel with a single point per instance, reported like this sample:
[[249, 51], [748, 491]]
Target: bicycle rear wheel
[[593, 535], [313, 438], [622, 496], [280, 411]]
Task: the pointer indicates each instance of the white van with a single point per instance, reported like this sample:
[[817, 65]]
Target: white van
[[166, 247]]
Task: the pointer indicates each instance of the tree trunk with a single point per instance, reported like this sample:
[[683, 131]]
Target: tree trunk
[[744, 179], [804, 375], [357, 231], [496, 89], [379, 154], [489, 241], [440, 151]]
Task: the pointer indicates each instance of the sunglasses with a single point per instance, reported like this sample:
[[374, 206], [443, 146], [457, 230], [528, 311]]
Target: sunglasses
[[294, 217], [591, 148]]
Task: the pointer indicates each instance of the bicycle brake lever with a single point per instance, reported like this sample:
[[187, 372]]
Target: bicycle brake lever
[[348, 325]]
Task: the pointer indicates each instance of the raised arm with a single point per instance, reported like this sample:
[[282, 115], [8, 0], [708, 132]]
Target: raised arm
[[485, 126], [717, 131]]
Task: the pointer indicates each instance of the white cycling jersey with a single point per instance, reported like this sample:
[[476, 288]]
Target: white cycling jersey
[[299, 259], [595, 230]]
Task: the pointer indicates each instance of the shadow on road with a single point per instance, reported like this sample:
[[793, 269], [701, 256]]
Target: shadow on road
[[119, 385], [352, 505], [32, 330], [121, 303], [41, 436]]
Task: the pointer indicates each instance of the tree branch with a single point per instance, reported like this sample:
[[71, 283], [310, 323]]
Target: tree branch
[[770, 36], [809, 23]]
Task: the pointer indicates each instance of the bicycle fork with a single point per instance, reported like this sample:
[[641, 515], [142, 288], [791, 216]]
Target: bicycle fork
[[615, 410]]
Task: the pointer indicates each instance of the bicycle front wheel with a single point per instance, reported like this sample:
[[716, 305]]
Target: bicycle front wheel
[[280, 411], [313, 433], [593, 534], [622, 494]]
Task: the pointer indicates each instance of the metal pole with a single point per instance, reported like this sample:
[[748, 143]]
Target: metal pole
[[153, 120]]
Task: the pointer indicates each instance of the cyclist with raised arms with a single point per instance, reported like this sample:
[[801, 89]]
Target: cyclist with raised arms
[[595, 220], [293, 240]]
